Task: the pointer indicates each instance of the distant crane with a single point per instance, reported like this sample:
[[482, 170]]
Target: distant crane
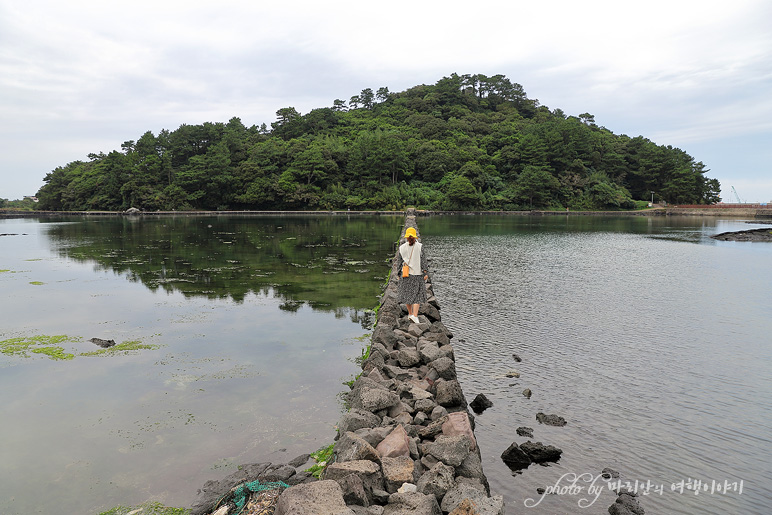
[[736, 196]]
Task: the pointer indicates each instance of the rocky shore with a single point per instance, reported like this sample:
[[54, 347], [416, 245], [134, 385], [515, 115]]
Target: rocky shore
[[406, 446], [750, 235]]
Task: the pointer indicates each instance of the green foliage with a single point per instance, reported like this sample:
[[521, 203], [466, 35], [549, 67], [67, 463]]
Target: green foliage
[[322, 457], [466, 142]]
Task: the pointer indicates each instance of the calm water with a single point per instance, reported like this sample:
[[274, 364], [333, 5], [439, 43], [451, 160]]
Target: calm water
[[254, 322], [651, 339]]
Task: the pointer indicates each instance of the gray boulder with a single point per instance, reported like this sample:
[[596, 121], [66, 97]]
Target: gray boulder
[[396, 472], [317, 498], [371, 396], [384, 335], [408, 357], [483, 504], [368, 471], [353, 490], [351, 447], [449, 393], [437, 481], [445, 367], [451, 450], [412, 503], [357, 419]]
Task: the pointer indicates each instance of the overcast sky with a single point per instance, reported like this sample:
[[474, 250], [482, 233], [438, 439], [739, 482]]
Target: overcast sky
[[84, 76]]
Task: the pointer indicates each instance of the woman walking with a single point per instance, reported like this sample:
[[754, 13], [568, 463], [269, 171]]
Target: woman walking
[[411, 289]]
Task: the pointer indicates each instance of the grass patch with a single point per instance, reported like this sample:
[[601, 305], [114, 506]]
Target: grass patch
[[125, 348], [43, 344], [322, 458], [37, 283], [5, 270]]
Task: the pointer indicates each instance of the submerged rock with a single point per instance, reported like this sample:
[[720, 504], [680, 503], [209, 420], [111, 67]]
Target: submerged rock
[[515, 457], [551, 420], [626, 504], [480, 403], [540, 453], [105, 344]]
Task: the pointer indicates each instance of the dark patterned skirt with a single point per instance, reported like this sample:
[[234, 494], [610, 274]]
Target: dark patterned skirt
[[411, 290]]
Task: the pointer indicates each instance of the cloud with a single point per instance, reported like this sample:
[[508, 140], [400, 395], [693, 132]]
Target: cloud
[[81, 74]]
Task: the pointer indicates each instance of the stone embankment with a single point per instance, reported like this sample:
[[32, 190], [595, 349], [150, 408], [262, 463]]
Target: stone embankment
[[407, 444]]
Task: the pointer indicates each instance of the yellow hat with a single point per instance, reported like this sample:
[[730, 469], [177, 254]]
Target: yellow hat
[[411, 232]]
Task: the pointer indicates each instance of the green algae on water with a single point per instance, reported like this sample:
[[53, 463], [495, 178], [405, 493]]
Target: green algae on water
[[37, 283], [149, 508], [26, 346], [128, 347], [42, 344]]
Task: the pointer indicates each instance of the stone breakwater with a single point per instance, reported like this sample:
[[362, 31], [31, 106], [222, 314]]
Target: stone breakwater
[[406, 445]]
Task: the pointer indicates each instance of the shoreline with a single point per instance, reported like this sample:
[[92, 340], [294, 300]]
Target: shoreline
[[762, 212]]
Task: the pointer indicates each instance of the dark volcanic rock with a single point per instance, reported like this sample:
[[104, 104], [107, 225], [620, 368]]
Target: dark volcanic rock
[[752, 235], [515, 457], [525, 431], [480, 403], [105, 344], [540, 453], [300, 460], [626, 504], [550, 420]]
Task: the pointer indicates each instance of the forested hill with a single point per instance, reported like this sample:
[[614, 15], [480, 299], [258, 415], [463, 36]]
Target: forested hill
[[466, 142]]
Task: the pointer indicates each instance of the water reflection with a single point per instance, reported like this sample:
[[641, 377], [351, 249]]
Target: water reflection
[[329, 263]]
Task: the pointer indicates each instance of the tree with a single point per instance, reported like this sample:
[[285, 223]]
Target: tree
[[367, 98], [461, 193], [587, 119], [536, 186], [382, 94], [288, 123]]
